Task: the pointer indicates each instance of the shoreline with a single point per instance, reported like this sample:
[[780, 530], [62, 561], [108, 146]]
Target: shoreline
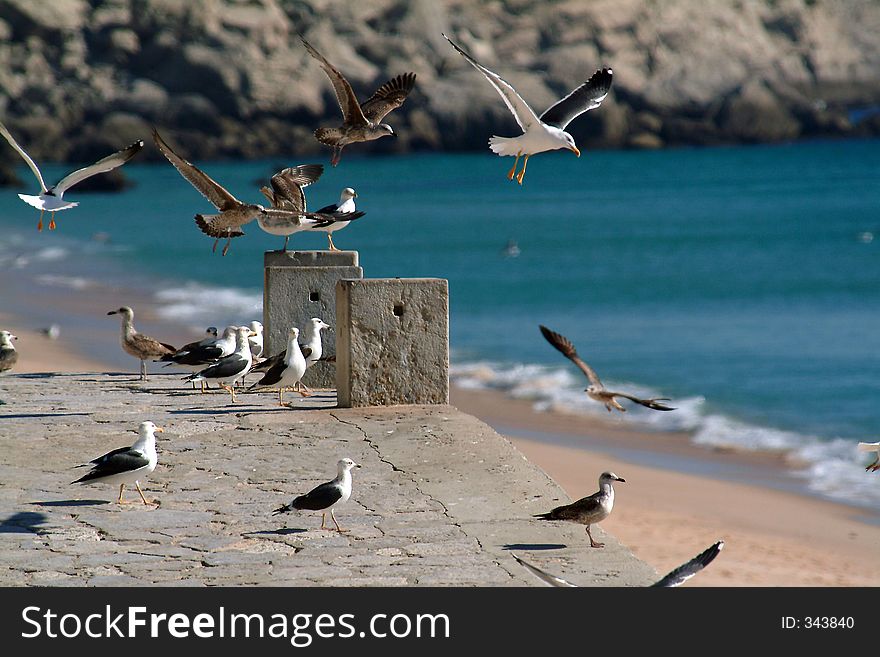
[[677, 499]]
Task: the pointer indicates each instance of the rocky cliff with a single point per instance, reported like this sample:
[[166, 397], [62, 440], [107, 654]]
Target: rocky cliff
[[229, 78]]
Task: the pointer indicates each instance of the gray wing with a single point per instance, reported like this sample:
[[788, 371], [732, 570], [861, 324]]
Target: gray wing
[[586, 97], [388, 97], [103, 165], [205, 224], [24, 156], [684, 572], [207, 186], [543, 575], [564, 345], [348, 102], [525, 116]]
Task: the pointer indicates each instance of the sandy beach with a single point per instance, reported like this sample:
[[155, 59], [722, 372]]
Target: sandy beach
[[677, 500]]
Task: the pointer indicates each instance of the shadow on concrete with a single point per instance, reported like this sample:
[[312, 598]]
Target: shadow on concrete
[[25, 522], [70, 503], [17, 416], [230, 410], [277, 532], [534, 546]]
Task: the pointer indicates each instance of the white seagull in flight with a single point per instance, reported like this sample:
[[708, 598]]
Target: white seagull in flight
[[50, 198], [547, 132]]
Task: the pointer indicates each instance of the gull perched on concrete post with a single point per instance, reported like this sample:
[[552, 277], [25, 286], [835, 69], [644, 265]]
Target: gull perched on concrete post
[[324, 497], [596, 390], [50, 198], [547, 132], [126, 465], [588, 510], [874, 465], [345, 206], [360, 122], [141, 346]]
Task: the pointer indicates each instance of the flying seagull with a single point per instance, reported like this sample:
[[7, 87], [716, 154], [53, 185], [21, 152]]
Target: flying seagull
[[361, 122], [233, 213], [289, 213], [136, 344], [596, 390], [345, 206], [8, 354], [547, 132], [874, 465], [50, 198], [285, 371], [675, 578], [127, 464], [231, 368], [325, 496], [588, 510]]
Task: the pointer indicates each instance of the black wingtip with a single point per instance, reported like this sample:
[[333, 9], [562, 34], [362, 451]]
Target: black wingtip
[[281, 509]]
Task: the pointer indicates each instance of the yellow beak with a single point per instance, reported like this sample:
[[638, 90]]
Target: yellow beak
[[574, 149], [160, 429]]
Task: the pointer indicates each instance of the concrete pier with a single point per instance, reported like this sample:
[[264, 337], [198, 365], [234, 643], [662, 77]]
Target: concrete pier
[[441, 499], [299, 285], [392, 341]]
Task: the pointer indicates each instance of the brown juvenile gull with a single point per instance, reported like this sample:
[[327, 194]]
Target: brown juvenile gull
[[676, 577], [126, 465], [596, 390], [588, 510], [325, 496], [289, 213], [50, 198], [139, 345], [874, 465], [361, 122], [547, 132], [8, 354], [233, 213]]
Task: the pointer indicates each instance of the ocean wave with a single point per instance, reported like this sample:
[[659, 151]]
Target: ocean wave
[[830, 467], [202, 305], [70, 282]]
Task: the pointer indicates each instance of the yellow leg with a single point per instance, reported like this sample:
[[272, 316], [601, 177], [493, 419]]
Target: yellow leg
[[40, 222], [119, 499], [523, 172], [52, 221], [513, 168], [141, 492], [330, 239], [338, 528], [323, 519], [281, 396]]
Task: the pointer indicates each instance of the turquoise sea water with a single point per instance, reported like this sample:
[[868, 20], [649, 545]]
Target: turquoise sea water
[[743, 282]]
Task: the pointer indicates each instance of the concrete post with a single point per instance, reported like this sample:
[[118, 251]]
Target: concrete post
[[299, 285], [392, 341]]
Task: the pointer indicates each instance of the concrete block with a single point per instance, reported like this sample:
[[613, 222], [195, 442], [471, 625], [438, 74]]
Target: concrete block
[[299, 285], [392, 341]]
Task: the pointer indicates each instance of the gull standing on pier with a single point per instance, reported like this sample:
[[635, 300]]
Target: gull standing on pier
[[141, 346], [50, 198], [255, 342], [126, 465], [230, 368], [874, 465], [196, 356], [547, 132], [345, 206], [325, 496], [233, 213], [596, 390], [588, 510], [360, 122], [285, 371], [676, 577], [8, 354]]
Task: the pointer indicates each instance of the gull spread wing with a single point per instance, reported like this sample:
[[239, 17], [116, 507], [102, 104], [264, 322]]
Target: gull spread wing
[[567, 348], [348, 102], [207, 186], [543, 575], [649, 403], [205, 222], [684, 572], [524, 115], [586, 97], [388, 97], [103, 165], [25, 156], [288, 183]]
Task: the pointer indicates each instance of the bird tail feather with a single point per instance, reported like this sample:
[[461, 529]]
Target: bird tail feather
[[328, 136], [504, 145]]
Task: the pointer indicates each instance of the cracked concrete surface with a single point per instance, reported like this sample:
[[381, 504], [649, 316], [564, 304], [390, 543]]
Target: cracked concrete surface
[[440, 501]]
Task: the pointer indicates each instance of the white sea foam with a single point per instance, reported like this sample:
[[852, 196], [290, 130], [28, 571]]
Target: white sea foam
[[831, 468], [71, 282], [202, 305]]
